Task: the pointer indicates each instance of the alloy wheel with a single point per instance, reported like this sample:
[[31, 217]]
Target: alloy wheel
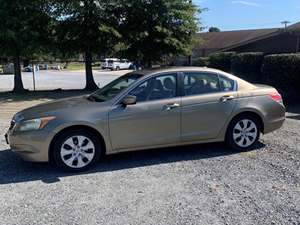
[[77, 151], [245, 133]]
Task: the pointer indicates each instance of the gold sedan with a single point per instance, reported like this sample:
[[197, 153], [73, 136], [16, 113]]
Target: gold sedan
[[144, 110]]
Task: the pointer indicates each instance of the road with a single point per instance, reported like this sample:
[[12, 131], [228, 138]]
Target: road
[[49, 80], [201, 184]]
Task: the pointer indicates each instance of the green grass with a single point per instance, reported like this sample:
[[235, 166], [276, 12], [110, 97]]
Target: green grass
[[76, 66]]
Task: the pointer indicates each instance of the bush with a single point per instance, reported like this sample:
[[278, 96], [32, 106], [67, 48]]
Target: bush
[[221, 61], [203, 61], [283, 72], [248, 66]]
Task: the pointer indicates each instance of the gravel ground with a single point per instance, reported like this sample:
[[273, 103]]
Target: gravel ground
[[202, 184]]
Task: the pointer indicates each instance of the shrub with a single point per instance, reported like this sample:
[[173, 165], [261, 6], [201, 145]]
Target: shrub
[[248, 66], [202, 61], [221, 60], [283, 72]]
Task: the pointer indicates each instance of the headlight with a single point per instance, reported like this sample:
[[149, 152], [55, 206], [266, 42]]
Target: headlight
[[34, 124]]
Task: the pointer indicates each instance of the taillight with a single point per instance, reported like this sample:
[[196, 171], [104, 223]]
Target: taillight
[[276, 97]]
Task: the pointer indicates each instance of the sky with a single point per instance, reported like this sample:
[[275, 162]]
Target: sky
[[248, 14]]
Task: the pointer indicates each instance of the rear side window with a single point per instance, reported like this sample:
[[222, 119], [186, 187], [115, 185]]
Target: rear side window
[[200, 83], [226, 84]]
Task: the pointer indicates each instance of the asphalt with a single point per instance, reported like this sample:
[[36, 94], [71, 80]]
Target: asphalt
[[51, 79]]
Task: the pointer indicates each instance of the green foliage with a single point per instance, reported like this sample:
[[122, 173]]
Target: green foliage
[[85, 26], [221, 60], [283, 72], [214, 29], [159, 28], [248, 66], [202, 62], [24, 27]]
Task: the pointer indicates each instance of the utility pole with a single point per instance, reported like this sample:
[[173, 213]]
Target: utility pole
[[285, 23]]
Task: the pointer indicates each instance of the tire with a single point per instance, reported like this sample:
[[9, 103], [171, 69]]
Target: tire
[[76, 150], [117, 68], [240, 138]]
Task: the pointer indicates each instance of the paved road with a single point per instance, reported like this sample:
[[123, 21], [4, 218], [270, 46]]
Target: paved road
[[48, 80], [202, 184]]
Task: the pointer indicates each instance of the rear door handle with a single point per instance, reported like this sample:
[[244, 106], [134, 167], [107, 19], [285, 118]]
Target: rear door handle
[[227, 98], [169, 107]]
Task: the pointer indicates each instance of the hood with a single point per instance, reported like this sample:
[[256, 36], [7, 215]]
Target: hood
[[52, 108]]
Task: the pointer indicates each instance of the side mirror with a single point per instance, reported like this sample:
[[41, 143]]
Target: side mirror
[[129, 100]]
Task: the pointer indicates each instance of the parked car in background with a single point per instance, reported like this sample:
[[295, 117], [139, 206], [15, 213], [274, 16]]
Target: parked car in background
[[144, 110], [104, 62], [120, 64], [29, 68], [43, 66]]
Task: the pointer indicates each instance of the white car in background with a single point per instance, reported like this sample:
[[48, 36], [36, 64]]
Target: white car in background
[[104, 62], [120, 64]]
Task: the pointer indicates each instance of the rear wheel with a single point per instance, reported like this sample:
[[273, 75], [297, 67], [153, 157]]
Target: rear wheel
[[243, 132], [76, 150], [117, 68]]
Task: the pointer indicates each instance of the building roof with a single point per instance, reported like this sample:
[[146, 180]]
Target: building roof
[[230, 39], [295, 26], [226, 39]]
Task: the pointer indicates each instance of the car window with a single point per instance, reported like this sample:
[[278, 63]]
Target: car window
[[200, 83], [115, 87], [226, 84], [157, 88]]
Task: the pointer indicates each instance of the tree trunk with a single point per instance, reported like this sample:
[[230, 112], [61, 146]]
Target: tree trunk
[[18, 83], [90, 82]]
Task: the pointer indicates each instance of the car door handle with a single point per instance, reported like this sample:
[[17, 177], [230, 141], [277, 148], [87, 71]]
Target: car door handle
[[169, 107], [227, 98]]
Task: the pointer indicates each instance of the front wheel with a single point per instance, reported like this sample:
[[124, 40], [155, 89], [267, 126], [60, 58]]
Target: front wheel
[[243, 132], [76, 150]]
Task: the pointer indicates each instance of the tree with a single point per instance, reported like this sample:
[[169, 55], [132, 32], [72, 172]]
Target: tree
[[214, 29], [23, 31], [87, 27], [156, 29]]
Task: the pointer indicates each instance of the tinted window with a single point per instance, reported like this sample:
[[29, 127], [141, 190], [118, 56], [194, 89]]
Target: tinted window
[[161, 87], [226, 84], [200, 83]]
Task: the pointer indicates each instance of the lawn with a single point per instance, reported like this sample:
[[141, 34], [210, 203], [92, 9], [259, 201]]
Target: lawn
[[75, 66]]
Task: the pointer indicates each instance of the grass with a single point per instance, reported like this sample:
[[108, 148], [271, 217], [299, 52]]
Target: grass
[[76, 66]]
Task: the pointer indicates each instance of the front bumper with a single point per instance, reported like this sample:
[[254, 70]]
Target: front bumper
[[31, 146]]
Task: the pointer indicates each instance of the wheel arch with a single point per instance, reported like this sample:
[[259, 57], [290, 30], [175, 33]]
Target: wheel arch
[[72, 128], [253, 113]]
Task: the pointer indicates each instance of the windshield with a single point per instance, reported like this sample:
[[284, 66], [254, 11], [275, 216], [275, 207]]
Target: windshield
[[114, 88]]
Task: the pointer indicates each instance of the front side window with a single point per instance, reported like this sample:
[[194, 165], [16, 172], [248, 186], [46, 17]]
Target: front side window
[[114, 88], [157, 88], [200, 83]]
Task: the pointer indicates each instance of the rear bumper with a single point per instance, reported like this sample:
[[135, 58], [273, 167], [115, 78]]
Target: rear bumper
[[274, 125], [274, 118]]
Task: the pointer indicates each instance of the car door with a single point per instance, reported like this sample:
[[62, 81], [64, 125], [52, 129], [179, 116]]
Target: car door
[[153, 121], [207, 103]]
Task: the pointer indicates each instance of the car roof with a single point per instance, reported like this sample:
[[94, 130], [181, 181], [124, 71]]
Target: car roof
[[177, 69]]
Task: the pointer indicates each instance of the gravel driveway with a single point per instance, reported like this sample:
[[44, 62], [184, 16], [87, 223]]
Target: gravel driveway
[[202, 184]]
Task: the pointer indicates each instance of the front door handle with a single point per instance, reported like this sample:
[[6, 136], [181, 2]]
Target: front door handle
[[169, 107], [227, 98]]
